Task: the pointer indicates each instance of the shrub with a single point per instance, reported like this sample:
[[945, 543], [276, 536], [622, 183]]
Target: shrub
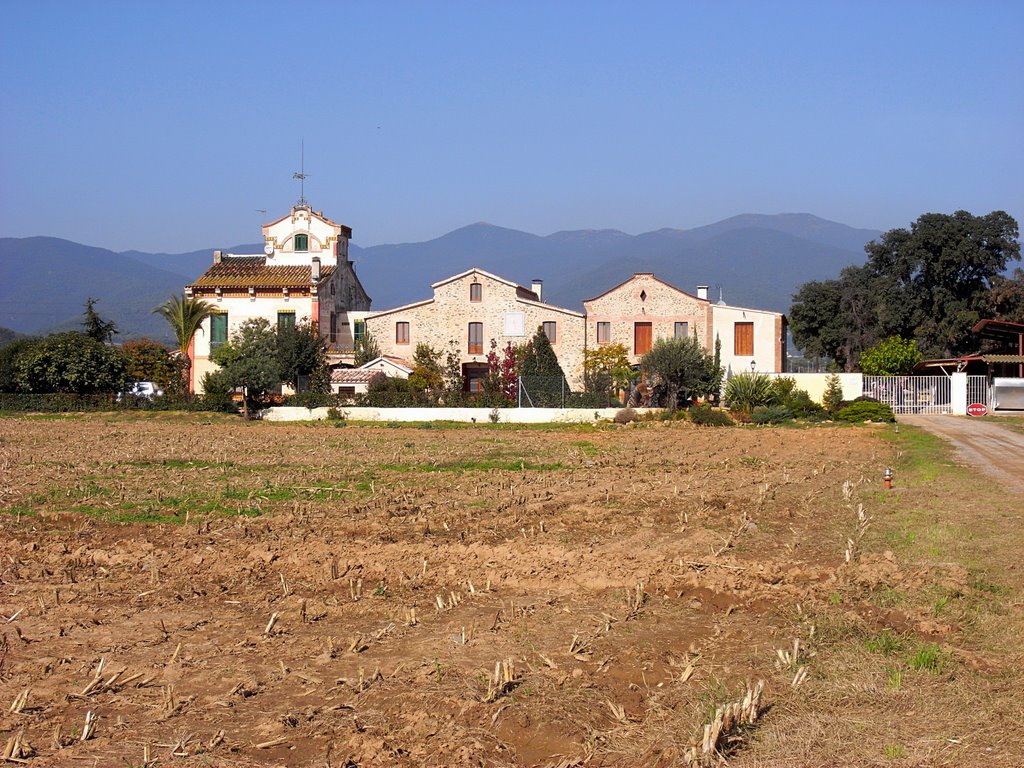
[[746, 391], [706, 416], [770, 414], [866, 411], [624, 416], [783, 388], [802, 406], [833, 398]]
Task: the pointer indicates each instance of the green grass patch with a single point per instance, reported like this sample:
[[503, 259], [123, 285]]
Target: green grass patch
[[177, 515], [886, 642], [41, 416], [928, 657], [19, 510], [476, 465]]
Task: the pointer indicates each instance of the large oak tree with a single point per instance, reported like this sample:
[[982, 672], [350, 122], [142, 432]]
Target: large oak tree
[[930, 283]]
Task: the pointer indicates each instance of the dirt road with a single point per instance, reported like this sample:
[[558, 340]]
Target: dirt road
[[983, 442]]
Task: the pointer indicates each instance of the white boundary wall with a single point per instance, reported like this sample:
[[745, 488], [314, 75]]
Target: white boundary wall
[[478, 415], [853, 386], [814, 384]]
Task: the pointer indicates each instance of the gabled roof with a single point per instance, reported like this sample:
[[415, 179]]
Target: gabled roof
[[399, 309], [353, 376], [396, 362], [253, 272], [523, 295], [643, 274], [485, 273], [318, 214], [552, 307]]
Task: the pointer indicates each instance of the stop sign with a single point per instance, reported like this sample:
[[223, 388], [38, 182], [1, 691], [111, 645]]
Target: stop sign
[[977, 409]]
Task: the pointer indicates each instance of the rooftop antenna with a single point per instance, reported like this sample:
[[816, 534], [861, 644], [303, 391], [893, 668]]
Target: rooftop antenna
[[301, 176], [261, 211], [721, 301]]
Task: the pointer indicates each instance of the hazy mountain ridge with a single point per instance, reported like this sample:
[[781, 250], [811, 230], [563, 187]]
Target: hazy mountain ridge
[[759, 260]]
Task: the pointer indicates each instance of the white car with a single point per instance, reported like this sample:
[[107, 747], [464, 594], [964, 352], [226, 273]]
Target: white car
[[146, 389]]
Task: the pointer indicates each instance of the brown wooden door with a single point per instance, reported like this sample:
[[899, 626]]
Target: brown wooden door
[[641, 338]]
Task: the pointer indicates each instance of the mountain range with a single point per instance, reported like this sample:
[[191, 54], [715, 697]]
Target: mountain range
[[753, 260]]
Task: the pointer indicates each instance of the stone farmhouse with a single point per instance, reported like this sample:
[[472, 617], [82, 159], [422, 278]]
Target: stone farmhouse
[[304, 273], [643, 309], [470, 309]]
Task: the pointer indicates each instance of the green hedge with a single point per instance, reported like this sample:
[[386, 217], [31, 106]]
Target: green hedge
[[71, 403], [866, 411]]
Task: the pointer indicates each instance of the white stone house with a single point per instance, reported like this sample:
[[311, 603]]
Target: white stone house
[[470, 309], [303, 274]]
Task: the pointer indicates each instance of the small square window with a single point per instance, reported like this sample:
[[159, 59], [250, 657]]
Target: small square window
[[475, 292], [551, 331], [302, 242], [682, 330], [401, 333], [604, 333]]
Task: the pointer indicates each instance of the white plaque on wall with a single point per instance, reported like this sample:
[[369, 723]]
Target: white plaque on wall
[[515, 324]]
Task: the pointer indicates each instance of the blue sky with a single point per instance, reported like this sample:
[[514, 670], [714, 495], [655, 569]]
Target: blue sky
[[165, 126]]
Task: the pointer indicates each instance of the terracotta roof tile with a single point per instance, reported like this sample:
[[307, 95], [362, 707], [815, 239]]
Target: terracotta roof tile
[[253, 271], [353, 376]]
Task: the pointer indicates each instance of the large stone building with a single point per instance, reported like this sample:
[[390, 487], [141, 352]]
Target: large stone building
[[644, 309], [470, 309], [303, 274]]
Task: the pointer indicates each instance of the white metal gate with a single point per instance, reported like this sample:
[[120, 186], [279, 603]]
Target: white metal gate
[[978, 391], [911, 394]]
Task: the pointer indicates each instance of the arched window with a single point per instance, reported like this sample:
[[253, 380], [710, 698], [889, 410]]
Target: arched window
[[302, 242]]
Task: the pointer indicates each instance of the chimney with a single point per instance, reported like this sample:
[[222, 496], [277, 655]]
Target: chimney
[[538, 288], [702, 292], [314, 271], [218, 257]]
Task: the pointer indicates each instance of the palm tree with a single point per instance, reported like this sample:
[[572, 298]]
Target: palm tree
[[185, 314]]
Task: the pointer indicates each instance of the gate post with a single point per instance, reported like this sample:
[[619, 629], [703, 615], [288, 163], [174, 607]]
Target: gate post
[[958, 394]]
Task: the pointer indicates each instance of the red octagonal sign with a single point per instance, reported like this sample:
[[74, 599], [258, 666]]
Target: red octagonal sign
[[977, 409]]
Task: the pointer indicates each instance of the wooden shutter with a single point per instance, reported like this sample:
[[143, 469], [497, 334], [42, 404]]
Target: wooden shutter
[[743, 339], [641, 338]]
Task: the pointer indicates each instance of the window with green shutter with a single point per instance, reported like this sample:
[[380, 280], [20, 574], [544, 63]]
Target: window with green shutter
[[218, 330], [286, 321], [302, 242]]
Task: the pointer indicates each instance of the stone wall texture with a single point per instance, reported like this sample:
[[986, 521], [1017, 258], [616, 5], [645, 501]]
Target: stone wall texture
[[444, 320], [646, 299]]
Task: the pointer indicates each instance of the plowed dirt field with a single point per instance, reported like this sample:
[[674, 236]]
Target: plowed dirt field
[[222, 593]]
